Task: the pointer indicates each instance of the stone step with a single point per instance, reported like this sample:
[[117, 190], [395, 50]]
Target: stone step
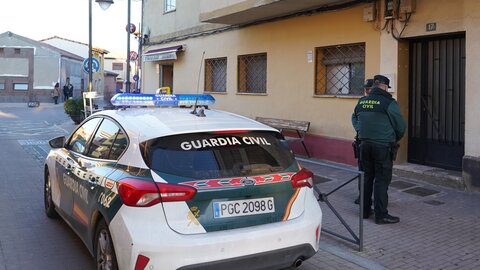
[[432, 175]]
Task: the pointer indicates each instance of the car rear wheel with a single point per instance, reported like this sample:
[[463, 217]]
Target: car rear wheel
[[47, 198], [104, 251]]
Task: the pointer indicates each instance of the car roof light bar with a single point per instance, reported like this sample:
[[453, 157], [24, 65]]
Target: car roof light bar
[[154, 100]]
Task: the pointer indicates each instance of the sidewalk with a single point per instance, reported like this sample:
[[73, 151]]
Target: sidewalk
[[438, 226]]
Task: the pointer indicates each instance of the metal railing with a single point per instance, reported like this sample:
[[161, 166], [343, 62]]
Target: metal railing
[[323, 197]]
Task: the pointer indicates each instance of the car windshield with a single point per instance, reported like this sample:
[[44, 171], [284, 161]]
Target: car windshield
[[218, 154]]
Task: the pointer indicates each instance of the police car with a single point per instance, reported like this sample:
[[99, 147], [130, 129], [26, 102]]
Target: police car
[[170, 188]]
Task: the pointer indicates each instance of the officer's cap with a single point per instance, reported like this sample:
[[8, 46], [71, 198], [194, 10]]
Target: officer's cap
[[382, 79], [368, 83]]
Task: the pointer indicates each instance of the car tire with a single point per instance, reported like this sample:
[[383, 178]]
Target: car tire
[[47, 197], [104, 250]]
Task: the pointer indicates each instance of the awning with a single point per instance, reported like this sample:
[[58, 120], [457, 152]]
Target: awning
[[168, 53]]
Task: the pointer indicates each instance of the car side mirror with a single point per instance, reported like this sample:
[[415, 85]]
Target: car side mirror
[[58, 142]]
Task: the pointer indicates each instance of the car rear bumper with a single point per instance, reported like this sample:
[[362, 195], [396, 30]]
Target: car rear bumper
[[144, 231], [266, 260]]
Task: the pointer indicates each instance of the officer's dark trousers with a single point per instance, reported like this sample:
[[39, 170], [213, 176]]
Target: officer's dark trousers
[[377, 165]]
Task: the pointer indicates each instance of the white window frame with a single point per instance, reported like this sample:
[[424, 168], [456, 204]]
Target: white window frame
[[170, 5]]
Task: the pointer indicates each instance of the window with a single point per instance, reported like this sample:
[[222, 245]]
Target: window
[[340, 70], [170, 5], [119, 145], [20, 86], [79, 139], [103, 144], [17, 51], [216, 75], [252, 73], [210, 156], [117, 66], [2, 86]]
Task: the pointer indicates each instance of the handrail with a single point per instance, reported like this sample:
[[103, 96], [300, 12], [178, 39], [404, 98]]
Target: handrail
[[323, 197]]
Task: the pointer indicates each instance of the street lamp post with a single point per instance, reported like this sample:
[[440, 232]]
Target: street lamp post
[[104, 4], [127, 87]]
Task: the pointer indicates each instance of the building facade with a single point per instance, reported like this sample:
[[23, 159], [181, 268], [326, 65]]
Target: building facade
[[29, 69], [307, 60], [104, 80]]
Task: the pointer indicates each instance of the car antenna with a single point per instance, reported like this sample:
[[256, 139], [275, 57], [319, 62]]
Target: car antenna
[[198, 87]]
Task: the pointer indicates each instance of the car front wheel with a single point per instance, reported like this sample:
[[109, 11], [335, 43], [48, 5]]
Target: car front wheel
[[47, 198], [104, 251]]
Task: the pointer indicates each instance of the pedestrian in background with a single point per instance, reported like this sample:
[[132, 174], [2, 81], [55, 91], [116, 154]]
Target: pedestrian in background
[[56, 93], [67, 90], [367, 86], [380, 125]]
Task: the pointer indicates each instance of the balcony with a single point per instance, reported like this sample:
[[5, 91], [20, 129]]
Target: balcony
[[247, 11]]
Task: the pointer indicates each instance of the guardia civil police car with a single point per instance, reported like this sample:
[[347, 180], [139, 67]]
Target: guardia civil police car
[[164, 188]]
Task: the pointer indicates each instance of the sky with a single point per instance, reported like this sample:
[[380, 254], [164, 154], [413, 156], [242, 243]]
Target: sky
[[41, 19]]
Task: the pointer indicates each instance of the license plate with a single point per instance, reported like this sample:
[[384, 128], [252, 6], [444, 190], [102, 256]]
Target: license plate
[[243, 207]]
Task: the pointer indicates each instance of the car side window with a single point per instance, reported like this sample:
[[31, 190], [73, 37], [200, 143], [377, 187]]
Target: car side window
[[104, 139], [79, 139], [119, 145]]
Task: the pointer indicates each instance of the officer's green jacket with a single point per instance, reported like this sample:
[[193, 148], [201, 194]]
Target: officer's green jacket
[[377, 118]]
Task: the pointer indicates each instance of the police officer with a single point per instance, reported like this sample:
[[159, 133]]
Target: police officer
[[67, 90], [380, 125], [367, 86]]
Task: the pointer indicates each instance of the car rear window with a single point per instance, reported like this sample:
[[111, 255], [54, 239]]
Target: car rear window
[[218, 154]]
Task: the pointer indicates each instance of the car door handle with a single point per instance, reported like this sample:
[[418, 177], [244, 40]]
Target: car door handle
[[93, 182], [72, 166]]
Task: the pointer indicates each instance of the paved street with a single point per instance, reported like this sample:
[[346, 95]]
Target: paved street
[[438, 229], [30, 240]]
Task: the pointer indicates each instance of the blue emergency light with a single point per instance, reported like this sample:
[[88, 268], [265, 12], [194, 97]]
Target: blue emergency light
[[154, 100]]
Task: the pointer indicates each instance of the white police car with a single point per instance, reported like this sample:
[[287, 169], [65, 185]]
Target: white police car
[[162, 188]]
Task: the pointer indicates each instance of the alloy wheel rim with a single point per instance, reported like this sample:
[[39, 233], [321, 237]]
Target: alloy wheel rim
[[48, 192], [104, 251]]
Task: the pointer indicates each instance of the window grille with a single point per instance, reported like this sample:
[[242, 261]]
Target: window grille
[[216, 75], [252, 73], [340, 70], [170, 5]]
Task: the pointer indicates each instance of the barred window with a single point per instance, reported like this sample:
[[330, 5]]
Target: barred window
[[216, 75], [252, 73], [170, 5], [340, 70]]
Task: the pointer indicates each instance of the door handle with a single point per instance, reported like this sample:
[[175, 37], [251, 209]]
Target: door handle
[[93, 179]]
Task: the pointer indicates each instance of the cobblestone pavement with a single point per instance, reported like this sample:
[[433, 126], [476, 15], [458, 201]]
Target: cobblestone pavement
[[438, 228]]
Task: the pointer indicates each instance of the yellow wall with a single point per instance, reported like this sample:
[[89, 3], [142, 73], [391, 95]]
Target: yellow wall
[[290, 77]]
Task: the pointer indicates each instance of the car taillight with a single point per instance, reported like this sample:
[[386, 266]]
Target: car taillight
[[303, 178], [140, 193], [174, 193]]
